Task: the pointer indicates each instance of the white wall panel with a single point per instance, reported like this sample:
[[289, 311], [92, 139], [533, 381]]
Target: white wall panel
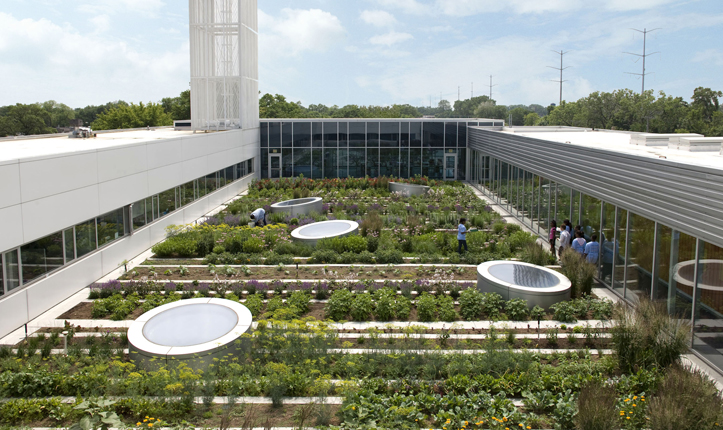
[[14, 311], [117, 163], [163, 153], [125, 249], [165, 177], [122, 191], [48, 215], [48, 292], [11, 226], [195, 168], [57, 175], [10, 188]]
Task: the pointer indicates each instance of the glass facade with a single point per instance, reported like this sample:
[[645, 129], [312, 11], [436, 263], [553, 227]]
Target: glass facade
[[400, 148], [36, 259], [640, 257]]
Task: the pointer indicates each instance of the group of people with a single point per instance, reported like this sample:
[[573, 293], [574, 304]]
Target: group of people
[[574, 238]]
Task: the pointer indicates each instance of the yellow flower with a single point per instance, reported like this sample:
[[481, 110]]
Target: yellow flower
[[146, 420], [627, 400], [622, 413], [138, 424], [353, 408], [528, 427], [150, 424], [635, 397], [627, 418], [634, 405]]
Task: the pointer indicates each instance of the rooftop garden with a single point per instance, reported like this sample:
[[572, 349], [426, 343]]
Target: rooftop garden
[[384, 329]]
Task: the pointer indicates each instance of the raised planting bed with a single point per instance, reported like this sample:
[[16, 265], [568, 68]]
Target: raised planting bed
[[408, 189]]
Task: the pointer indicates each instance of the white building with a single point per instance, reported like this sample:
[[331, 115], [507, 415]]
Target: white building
[[71, 210]]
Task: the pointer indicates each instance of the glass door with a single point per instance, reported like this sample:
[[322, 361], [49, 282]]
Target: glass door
[[450, 167], [274, 166]]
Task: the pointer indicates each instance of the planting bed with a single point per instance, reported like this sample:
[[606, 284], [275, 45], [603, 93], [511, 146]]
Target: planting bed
[[352, 339]]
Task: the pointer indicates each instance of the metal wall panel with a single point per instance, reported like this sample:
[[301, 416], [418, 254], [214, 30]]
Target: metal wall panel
[[685, 197]]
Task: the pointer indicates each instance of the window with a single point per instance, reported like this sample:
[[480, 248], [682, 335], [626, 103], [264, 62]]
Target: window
[[274, 135], [138, 214], [249, 166], [434, 135], [85, 237], [317, 135], [373, 134], [286, 135], [188, 193], [450, 134], [389, 136], [343, 135], [211, 182], [41, 256], [330, 135], [357, 136], [110, 227], [69, 246], [167, 202], [302, 135], [12, 270], [264, 134]]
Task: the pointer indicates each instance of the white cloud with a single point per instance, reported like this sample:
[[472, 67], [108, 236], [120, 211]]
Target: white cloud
[[101, 23], [390, 38], [297, 30], [378, 18], [44, 60], [141, 7], [462, 8], [710, 56]]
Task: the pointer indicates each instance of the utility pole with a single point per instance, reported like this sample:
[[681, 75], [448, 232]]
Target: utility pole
[[490, 85], [471, 96], [645, 32], [458, 92], [561, 53]]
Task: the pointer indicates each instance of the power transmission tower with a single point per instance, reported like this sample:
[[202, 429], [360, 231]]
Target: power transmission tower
[[458, 92], [561, 53], [645, 32], [472, 92], [490, 85]]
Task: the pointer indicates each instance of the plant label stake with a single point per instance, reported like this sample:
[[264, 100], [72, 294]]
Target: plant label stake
[[65, 342]]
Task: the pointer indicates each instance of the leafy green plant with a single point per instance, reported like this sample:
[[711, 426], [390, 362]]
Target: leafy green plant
[[389, 256], [339, 305], [254, 302], [446, 309], [551, 336], [491, 305], [97, 415], [517, 310], [362, 307], [564, 312], [385, 303], [470, 304], [537, 313], [323, 256], [300, 300], [426, 307]]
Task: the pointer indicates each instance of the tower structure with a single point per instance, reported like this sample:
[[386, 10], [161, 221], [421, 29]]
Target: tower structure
[[224, 64]]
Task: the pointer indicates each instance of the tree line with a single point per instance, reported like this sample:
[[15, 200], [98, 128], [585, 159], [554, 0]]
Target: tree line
[[617, 110], [50, 116]]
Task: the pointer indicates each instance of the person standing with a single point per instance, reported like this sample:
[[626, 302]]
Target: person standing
[[259, 217], [592, 250], [578, 244], [564, 239], [461, 236], [552, 236]]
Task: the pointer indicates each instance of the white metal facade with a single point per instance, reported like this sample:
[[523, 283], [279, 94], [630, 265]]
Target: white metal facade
[[224, 64]]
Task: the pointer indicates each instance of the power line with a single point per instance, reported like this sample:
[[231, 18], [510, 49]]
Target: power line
[[490, 85], [561, 53], [645, 32]]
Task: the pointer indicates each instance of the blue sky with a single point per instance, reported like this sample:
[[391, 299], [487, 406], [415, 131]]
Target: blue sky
[[380, 52]]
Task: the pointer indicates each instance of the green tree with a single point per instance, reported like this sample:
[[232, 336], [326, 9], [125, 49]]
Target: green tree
[[25, 120], [466, 108], [178, 107], [59, 114], [489, 109], [90, 113], [532, 118], [704, 115], [133, 116], [277, 107], [518, 115]]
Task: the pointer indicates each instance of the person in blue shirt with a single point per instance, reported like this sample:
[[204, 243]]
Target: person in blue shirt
[[259, 217], [461, 236], [578, 244], [592, 250]]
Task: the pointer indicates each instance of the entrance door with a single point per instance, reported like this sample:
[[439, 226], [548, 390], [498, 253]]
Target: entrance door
[[274, 166], [450, 167]]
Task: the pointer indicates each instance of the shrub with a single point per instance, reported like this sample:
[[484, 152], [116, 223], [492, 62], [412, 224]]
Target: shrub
[[361, 307], [685, 399], [372, 243], [564, 312], [470, 304], [339, 305], [218, 249], [354, 244], [253, 246], [300, 299], [254, 302], [596, 408], [517, 310], [535, 254], [274, 259], [446, 309], [326, 256], [389, 256], [403, 308], [646, 336], [426, 307], [365, 257], [491, 304], [372, 223], [385, 303], [176, 246], [519, 240], [579, 271]]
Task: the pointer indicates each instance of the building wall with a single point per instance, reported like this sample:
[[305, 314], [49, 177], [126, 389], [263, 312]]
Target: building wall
[[48, 194], [657, 222], [334, 148]]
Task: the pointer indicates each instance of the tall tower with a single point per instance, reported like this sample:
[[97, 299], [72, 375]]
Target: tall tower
[[224, 64]]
